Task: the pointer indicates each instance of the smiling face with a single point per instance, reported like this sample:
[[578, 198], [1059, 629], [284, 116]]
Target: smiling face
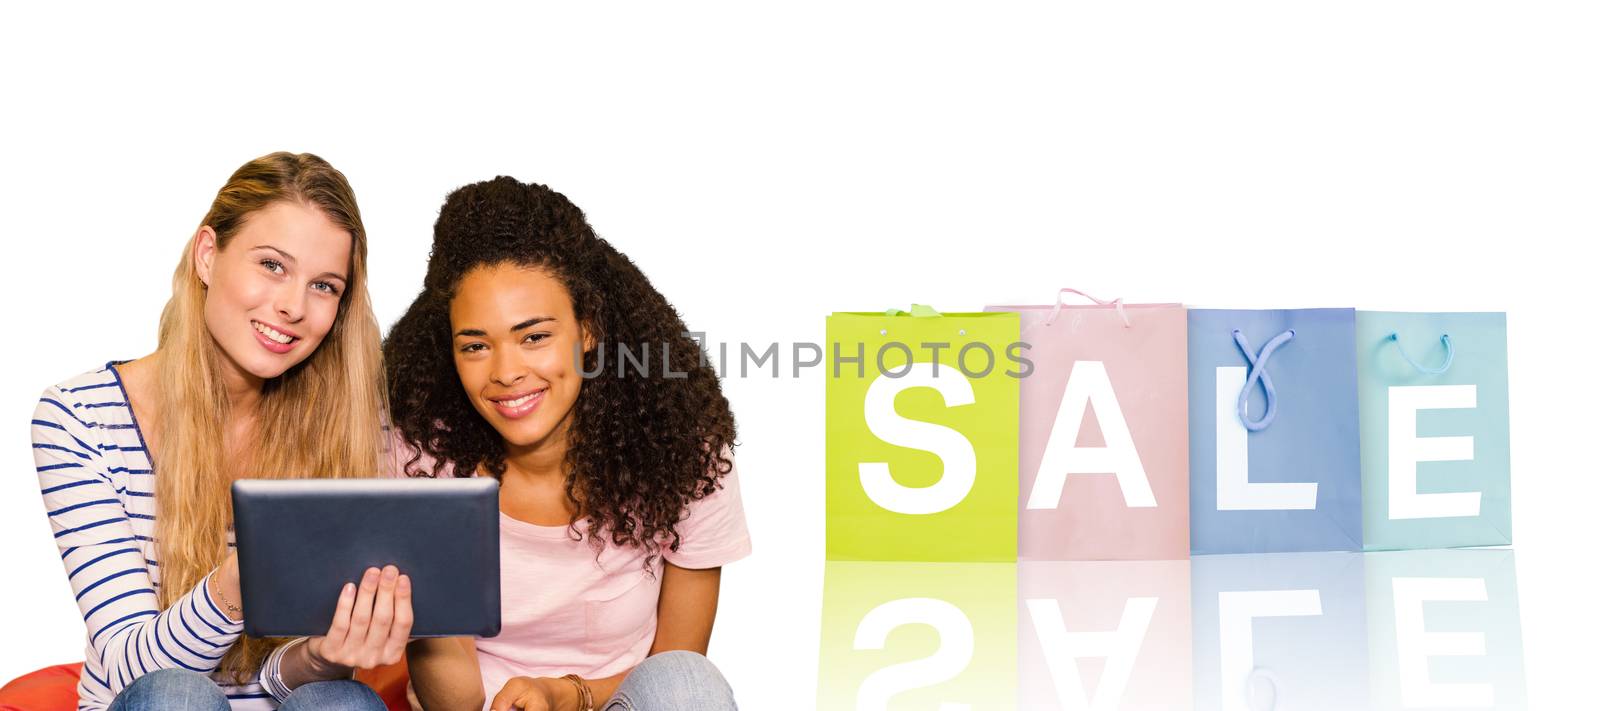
[[272, 294], [514, 334]]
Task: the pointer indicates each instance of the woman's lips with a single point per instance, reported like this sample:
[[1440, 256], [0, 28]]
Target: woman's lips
[[268, 342], [518, 405]]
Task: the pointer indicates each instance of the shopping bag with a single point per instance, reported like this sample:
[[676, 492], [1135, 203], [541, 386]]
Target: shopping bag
[[905, 636], [1435, 429], [1104, 436], [1274, 444], [922, 435]]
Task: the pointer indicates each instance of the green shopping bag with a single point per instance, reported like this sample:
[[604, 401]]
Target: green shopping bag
[[922, 435]]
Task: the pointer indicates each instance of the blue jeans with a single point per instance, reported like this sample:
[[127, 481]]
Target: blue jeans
[[184, 690], [673, 681]]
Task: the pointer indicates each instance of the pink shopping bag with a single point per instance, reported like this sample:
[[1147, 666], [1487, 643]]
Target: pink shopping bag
[[1104, 433]]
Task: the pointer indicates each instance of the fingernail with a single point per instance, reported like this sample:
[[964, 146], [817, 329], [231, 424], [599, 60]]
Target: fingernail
[[390, 572]]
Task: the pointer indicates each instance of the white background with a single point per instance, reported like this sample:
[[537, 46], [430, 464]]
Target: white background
[[766, 166]]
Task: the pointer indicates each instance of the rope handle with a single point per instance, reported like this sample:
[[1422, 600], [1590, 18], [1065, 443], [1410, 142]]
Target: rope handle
[[1258, 372], [1449, 354]]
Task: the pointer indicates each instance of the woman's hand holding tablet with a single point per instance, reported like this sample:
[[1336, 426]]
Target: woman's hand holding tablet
[[371, 623]]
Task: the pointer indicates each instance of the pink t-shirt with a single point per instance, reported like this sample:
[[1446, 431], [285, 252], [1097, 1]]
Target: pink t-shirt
[[562, 611]]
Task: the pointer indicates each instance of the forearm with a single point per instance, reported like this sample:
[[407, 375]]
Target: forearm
[[600, 689], [558, 693], [223, 589], [299, 667], [190, 634], [444, 674]]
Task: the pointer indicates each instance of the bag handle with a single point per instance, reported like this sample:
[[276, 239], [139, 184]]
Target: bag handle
[[1258, 371], [1449, 354], [1055, 312], [917, 310]]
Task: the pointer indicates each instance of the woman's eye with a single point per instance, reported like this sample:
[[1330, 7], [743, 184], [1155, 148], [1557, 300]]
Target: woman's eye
[[472, 348], [272, 265], [326, 288], [535, 337]]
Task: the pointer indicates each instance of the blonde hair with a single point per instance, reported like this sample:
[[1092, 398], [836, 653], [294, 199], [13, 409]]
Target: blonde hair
[[321, 418]]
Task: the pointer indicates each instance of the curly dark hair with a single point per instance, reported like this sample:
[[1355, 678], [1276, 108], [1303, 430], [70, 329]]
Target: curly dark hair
[[639, 449]]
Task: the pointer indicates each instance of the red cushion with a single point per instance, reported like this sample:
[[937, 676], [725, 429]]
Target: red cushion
[[390, 683], [49, 689], [56, 688]]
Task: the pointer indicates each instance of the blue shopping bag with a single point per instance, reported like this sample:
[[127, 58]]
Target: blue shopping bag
[[1274, 438], [1435, 429]]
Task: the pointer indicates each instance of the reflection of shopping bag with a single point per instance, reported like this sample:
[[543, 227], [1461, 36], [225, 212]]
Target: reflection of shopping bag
[[1274, 444], [918, 636], [1103, 635], [922, 435], [1104, 437], [1435, 429], [1444, 630], [1280, 631]]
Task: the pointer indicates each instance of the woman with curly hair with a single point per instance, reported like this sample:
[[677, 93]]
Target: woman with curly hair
[[541, 356], [269, 322]]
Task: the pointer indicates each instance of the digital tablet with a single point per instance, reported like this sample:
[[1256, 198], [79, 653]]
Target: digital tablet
[[301, 540]]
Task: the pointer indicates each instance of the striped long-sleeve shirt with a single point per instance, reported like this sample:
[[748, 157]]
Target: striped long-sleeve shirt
[[98, 485]]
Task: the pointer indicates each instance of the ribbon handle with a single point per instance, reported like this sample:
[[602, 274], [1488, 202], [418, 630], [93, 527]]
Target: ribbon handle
[[1055, 312], [917, 310], [1449, 354], [1258, 372]]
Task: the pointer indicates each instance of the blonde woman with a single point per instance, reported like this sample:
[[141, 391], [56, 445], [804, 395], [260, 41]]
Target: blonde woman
[[268, 364]]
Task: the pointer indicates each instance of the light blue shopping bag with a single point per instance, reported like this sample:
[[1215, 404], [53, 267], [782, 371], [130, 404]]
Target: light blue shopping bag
[[1435, 429]]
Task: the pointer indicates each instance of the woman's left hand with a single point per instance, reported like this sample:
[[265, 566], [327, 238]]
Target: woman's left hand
[[530, 694]]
